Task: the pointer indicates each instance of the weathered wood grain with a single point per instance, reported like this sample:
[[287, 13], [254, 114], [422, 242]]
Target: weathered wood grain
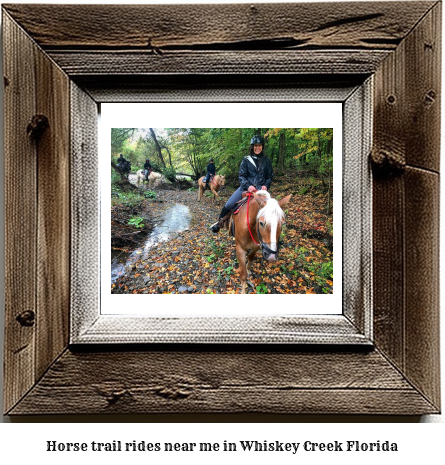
[[53, 207], [423, 92], [85, 210], [217, 382], [20, 213], [78, 63], [406, 133], [241, 26], [219, 88], [422, 281]]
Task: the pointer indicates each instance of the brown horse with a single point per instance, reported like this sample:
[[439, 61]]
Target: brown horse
[[215, 185], [258, 225]]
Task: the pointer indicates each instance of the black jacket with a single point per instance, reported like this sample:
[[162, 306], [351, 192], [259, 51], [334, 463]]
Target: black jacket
[[211, 169], [250, 175], [147, 166], [121, 160]]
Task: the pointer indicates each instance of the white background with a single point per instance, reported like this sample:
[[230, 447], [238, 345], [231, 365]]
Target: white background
[[219, 115], [21, 442]]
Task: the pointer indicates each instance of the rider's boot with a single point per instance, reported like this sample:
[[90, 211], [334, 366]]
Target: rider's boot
[[222, 217]]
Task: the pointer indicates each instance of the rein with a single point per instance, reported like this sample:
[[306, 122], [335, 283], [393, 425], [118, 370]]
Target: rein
[[249, 196], [213, 182]]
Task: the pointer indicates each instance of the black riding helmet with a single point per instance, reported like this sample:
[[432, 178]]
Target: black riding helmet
[[210, 160], [257, 140]]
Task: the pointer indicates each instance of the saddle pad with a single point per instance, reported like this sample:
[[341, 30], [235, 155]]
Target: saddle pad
[[240, 203]]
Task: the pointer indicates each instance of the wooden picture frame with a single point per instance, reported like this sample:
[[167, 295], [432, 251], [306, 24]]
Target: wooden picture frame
[[75, 57]]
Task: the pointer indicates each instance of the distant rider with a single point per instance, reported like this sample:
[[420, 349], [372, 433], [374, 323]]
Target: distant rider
[[211, 171], [148, 169], [121, 162]]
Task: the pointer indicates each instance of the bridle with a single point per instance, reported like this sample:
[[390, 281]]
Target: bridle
[[262, 244]]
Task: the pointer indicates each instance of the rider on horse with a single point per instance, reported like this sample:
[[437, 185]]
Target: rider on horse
[[121, 162], [148, 169], [255, 173], [211, 171], [123, 165]]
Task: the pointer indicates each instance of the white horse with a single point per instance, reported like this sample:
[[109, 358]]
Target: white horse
[[152, 178]]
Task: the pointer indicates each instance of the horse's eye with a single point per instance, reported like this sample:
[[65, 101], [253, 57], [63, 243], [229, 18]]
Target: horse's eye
[[262, 224]]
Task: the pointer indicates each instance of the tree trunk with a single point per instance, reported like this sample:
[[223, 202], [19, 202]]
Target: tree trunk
[[158, 147], [281, 154], [169, 155]]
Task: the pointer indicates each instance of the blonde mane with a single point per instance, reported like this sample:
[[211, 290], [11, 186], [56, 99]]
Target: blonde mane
[[271, 210]]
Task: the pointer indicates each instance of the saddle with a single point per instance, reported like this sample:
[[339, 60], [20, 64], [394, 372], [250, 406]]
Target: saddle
[[206, 185]]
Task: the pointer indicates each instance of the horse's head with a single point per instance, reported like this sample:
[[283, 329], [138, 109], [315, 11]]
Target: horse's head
[[222, 181], [270, 220]]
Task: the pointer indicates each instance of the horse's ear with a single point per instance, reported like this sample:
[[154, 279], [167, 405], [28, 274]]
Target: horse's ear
[[284, 200], [259, 198]]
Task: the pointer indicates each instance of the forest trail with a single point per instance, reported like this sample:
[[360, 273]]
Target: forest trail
[[194, 260]]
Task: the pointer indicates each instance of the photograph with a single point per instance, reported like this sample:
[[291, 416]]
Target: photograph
[[222, 210]]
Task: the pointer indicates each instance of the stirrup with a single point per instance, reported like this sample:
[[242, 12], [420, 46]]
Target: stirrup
[[215, 227]]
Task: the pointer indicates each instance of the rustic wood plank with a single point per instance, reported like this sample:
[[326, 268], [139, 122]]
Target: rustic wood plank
[[423, 90], [422, 281], [219, 88], [112, 329], [357, 209], [53, 230], [78, 63], [405, 206], [20, 213], [388, 198], [85, 210], [349, 25], [221, 382]]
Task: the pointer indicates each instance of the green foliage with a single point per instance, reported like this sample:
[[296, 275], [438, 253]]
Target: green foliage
[[136, 221], [150, 194], [261, 289], [188, 150], [327, 270], [218, 250], [170, 174]]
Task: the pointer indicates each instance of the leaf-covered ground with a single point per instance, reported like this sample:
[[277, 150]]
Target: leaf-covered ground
[[198, 261]]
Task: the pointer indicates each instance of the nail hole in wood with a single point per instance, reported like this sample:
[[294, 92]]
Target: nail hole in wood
[[37, 126], [26, 318]]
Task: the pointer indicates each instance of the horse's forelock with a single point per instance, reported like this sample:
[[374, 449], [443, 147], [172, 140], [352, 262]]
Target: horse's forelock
[[271, 211]]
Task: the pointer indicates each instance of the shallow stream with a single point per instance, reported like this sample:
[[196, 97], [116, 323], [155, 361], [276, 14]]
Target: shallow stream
[[174, 220]]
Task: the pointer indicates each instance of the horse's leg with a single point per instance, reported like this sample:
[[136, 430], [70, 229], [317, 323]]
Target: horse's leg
[[215, 197], [241, 256], [199, 193], [250, 258]]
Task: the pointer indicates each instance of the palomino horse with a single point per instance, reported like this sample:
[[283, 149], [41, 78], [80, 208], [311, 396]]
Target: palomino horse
[[258, 225], [215, 185], [152, 178]]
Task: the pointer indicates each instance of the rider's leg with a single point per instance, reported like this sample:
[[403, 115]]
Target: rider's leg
[[228, 207]]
